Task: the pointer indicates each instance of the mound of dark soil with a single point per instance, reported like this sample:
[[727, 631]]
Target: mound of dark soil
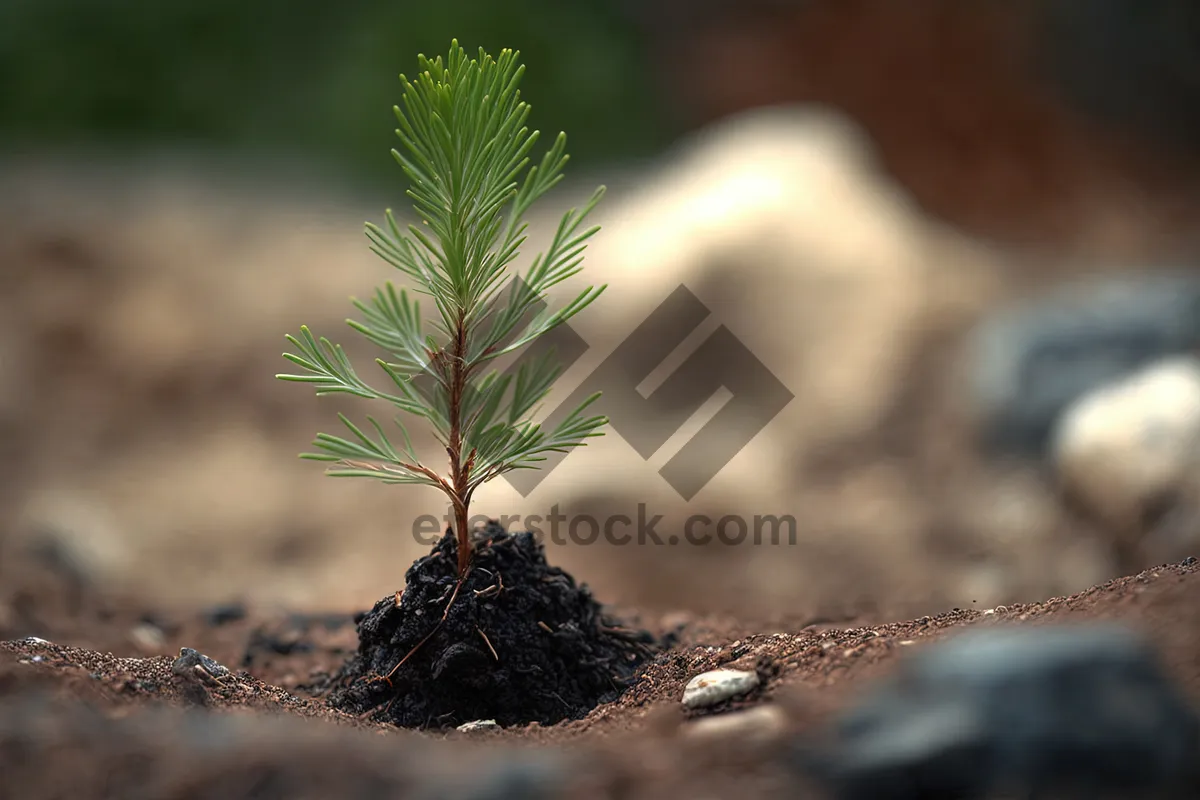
[[520, 642]]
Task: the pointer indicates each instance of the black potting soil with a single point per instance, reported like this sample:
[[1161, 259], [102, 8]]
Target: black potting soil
[[521, 642]]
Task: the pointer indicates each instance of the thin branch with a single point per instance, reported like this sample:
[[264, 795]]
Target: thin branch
[[404, 468], [488, 643]]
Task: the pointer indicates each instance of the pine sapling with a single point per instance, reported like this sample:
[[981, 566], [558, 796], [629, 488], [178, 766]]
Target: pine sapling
[[465, 150]]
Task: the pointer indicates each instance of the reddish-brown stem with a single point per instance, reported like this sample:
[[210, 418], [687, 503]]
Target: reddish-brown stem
[[459, 467], [461, 521]]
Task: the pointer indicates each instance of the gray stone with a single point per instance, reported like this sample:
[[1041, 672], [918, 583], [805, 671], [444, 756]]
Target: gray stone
[[1027, 365], [192, 663], [1016, 711]]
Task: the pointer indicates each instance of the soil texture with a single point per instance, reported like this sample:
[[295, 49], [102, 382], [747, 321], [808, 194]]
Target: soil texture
[[517, 641], [78, 721]]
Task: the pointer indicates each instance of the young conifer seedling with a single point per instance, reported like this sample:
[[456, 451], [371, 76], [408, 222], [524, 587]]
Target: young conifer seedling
[[465, 150]]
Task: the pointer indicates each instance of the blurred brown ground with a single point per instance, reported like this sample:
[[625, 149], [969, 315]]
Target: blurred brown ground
[[957, 99]]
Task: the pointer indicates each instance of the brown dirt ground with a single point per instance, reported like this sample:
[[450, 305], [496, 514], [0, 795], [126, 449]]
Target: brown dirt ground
[[85, 714]]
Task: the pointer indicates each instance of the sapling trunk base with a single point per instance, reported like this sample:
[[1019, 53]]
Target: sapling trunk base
[[516, 640]]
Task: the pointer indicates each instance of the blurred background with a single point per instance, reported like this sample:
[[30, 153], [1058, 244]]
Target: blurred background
[[962, 235]]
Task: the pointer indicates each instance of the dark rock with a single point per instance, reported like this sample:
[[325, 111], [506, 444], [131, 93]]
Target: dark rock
[[1016, 713], [195, 673], [225, 613], [290, 635], [194, 662], [1028, 365], [268, 641]]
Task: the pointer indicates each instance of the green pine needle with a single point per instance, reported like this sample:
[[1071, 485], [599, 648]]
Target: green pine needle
[[466, 152]]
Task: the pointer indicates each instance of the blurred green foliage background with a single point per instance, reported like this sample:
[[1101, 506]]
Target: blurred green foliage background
[[304, 78]]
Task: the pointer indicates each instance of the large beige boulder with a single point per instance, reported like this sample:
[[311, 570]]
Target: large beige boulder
[[783, 227], [818, 266]]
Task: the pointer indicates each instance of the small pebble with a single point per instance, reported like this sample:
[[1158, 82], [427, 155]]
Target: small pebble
[[710, 688], [755, 725], [479, 725]]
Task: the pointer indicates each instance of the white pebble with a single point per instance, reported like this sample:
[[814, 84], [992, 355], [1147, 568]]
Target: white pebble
[[478, 725], [710, 688], [1127, 443], [35, 640]]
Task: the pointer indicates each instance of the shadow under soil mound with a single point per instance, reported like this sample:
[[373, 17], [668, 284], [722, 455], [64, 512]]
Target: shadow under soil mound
[[520, 642]]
